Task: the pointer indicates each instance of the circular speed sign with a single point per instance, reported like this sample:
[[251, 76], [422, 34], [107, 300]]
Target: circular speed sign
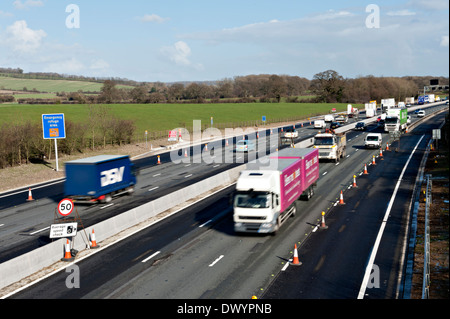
[[65, 207]]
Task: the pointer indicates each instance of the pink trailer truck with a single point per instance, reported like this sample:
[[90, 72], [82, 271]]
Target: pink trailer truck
[[265, 197]]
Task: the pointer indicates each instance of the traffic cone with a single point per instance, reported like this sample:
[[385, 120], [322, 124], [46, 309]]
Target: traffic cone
[[30, 197], [322, 225], [185, 153], [159, 160], [381, 153], [373, 160], [226, 142], [295, 261], [354, 181], [93, 241], [387, 147], [302, 124], [365, 169], [206, 147], [67, 254], [341, 199]]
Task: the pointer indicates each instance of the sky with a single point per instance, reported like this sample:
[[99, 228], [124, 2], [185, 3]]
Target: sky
[[209, 40]]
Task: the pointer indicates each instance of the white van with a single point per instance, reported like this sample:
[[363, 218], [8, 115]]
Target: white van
[[373, 140], [329, 118], [319, 124]]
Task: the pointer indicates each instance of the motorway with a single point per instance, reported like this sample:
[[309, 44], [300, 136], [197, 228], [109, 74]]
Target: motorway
[[195, 253]]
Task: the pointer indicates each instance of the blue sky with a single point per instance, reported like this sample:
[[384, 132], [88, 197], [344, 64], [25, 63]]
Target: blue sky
[[197, 40]]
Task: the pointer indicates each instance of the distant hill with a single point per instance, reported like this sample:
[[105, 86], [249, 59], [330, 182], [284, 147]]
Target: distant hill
[[17, 80], [50, 86]]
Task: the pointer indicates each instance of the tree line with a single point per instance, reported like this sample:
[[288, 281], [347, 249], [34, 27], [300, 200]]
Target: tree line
[[22, 143], [325, 87]]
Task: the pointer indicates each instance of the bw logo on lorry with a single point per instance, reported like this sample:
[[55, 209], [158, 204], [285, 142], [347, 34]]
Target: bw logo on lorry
[[111, 176]]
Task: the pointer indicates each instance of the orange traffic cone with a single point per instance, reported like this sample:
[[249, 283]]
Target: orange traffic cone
[[295, 261], [322, 224], [302, 124], [206, 147], [159, 160], [373, 160], [30, 197], [354, 181], [387, 147], [381, 153], [226, 142], [341, 199], [185, 153], [67, 254], [365, 169], [93, 241]]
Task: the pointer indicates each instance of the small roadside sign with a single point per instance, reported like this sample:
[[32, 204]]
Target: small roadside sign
[[65, 207], [63, 230], [172, 136], [53, 126]]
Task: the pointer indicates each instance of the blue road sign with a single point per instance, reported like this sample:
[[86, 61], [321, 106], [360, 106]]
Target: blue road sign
[[264, 118], [53, 126]]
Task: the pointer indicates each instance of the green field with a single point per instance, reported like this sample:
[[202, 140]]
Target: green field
[[10, 83], [160, 117]]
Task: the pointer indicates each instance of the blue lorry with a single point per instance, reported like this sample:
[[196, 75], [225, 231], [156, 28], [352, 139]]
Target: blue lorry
[[99, 178]]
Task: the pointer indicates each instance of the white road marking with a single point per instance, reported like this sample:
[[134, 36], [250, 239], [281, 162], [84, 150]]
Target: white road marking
[[106, 205], [205, 223], [215, 261], [152, 189], [188, 176], [150, 257], [40, 230]]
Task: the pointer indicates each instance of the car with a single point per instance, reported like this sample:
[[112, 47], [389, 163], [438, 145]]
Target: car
[[421, 113], [335, 125], [360, 126], [290, 133], [245, 146], [417, 111]]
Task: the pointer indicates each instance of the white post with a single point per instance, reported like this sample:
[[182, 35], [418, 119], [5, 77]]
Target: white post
[[56, 155]]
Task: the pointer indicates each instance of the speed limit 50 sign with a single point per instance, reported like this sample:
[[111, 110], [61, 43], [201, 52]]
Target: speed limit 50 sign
[[65, 207]]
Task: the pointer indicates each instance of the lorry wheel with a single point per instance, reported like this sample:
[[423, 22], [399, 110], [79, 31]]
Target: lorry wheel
[[294, 211], [130, 190], [107, 198]]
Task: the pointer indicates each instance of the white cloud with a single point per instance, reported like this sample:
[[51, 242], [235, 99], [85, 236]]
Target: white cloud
[[66, 66], [404, 12], [27, 4], [178, 53], [431, 4], [444, 41], [5, 14], [23, 39], [153, 18], [337, 40], [99, 64]]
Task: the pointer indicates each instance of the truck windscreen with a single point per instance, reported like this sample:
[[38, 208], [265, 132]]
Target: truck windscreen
[[323, 141], [252, 200]]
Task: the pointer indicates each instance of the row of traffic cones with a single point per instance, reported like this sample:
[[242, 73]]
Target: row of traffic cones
[[69, 254], [295, 261]]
